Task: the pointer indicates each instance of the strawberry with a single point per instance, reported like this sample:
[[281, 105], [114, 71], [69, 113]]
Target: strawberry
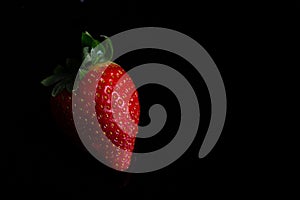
[[61, 97], [105, 103], [116, 109], [61, 107]]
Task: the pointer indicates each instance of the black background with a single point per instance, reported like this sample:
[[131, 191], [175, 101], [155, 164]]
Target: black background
[[41, 34]]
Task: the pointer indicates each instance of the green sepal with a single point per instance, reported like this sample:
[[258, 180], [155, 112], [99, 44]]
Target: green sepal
[[94, 51], [88, 40], [85, 52], [60, 86], [108, 48], [82, 73], [97, 54], [50, 80], [69, 87]]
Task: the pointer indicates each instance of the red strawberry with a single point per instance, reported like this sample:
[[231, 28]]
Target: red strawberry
[[107, 96], [61, 107], [106, 105], [61, 98]]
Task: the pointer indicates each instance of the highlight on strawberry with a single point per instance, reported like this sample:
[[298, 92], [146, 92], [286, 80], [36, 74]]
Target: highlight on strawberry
[[97, 100]]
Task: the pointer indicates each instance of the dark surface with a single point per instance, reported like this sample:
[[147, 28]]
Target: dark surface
[[46, 32]]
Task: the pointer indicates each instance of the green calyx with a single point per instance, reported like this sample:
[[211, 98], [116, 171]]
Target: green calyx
[[93, 52], [62, 77]]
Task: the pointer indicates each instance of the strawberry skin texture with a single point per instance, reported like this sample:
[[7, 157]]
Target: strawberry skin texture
[[61, 107], [108, 113]]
